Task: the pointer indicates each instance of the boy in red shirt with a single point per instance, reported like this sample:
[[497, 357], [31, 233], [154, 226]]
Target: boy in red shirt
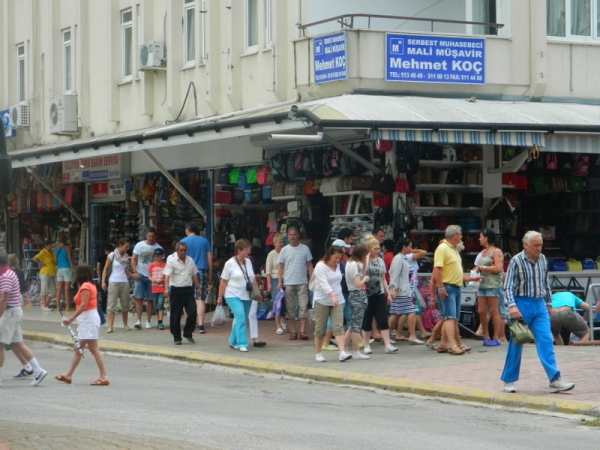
[[155, 275]]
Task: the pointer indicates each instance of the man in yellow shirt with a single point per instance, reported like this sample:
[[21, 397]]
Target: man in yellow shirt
[[46, 259], [448, 279]]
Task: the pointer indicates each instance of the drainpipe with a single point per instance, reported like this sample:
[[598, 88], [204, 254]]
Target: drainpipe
[[538, 49]]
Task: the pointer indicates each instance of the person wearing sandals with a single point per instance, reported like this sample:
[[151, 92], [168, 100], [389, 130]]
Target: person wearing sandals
[[400, 287], [378, 296], [357, 295], [489, 263], [88, 325], [116, 283], [295, 262], [64, 274], [328, 301], [448, 278], [272, 269], [237, 278]]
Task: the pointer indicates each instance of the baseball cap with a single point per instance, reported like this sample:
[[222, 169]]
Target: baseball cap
[[340, 243], [159, 251]]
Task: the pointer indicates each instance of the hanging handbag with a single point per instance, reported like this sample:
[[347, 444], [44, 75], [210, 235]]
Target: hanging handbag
[[448, 154], [588, 264], [573, 265], [382, 146], [385, 181], [402, 219], [558, 266], [381, 200], [520, 333], [402, 184]]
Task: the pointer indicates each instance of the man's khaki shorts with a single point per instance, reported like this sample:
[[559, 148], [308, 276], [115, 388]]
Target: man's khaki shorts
[[48, 286], [10, 325]]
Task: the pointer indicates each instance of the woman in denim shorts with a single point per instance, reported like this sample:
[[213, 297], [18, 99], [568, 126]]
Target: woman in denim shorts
[[64, 275], [489, 263]]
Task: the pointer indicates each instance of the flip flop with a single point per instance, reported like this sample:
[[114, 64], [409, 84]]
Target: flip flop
[[293, 336], [439, 349], [100, 383], [62, 378], [465, 348], [457, 351], [303, 336]]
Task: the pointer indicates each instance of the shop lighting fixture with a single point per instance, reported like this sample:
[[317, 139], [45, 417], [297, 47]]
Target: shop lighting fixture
[[296, 137]]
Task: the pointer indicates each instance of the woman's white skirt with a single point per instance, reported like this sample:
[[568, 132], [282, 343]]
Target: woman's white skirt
[[88, 325]]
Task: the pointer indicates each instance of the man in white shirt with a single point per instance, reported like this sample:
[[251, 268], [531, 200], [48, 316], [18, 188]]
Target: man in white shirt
[[295, 262], [180, 279]]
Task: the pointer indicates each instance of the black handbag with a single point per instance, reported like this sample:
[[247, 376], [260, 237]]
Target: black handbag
[[385, 181]]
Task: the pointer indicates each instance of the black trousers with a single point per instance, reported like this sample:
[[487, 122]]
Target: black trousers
[[376, 307], [182, 297]]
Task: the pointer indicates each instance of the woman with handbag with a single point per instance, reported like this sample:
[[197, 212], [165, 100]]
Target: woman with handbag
[[490, 264], [401, 291], [237, 283], [378, 296], [328, 301]]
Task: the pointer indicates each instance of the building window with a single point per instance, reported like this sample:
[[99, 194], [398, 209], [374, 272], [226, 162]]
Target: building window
[[251, 25], [67, 62], [21, 73], [189, 32], [268, 23], [573, 18], [202, 33], [127, 40], [484, 11]]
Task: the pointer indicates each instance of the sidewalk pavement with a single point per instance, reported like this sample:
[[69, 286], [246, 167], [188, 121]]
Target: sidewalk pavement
[[474, 376]]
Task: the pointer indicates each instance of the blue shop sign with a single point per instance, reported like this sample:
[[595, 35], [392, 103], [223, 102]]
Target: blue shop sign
[[330, 58], [8, 130], [434, 59]]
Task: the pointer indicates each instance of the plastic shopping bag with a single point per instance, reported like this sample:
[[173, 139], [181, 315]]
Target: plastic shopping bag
[[278, 303], [474, 284], [218, 319]]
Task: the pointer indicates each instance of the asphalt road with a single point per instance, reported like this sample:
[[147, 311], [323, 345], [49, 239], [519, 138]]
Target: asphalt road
[[156, 403]]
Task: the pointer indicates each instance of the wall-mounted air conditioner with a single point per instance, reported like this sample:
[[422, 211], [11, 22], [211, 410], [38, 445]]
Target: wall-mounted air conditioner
[[19, 115], [151, 55], [63, 114]]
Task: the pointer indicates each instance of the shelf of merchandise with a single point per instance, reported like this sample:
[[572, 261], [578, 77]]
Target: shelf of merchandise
[[447, 208], [448, 187], [248, 206], [448, 164], [342, 193]]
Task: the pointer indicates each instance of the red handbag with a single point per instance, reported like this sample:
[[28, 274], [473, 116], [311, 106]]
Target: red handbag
[[382, 146], [381, 200], [402, 184]]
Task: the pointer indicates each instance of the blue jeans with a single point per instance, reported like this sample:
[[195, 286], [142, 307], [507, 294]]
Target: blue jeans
[[240, 310], [535, 314], [450, 306]]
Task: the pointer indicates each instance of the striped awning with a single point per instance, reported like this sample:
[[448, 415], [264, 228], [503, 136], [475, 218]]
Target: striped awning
[[505, 138], [573, 143]]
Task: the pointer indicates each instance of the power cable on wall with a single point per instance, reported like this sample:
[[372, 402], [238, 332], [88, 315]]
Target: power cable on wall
[[191, 85]]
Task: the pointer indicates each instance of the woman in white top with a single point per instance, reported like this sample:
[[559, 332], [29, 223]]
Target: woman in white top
[[272, 266], [401, 288], [236, 277], [357, 295], [329, 301], [118, 284]]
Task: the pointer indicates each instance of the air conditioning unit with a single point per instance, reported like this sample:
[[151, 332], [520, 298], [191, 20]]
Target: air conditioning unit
[[151, 55], [19, 115], [63, 114]]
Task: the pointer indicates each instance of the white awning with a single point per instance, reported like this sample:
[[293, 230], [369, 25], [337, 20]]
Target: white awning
[[520, 139]]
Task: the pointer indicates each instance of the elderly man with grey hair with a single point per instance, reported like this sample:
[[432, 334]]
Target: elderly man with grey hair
[[530, 298], [11, 317], [448, 278]]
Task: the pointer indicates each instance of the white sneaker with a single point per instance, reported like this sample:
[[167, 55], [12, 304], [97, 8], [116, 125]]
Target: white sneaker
[[559, 385], [279, 331], [390, 349], [148, 325], [243, 349], [38, 378], [510, 388], [391, 341], [138, 325], [344, 356], [319, 357], [359, 355], [367, 350]]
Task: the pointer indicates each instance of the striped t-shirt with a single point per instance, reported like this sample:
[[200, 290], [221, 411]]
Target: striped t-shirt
[[9, 284], [294, 261]]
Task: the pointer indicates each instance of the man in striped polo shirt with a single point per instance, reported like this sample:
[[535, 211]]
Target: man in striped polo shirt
[[530, 298], [11, 317]]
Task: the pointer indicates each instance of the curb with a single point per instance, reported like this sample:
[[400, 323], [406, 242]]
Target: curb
[[338, 377]]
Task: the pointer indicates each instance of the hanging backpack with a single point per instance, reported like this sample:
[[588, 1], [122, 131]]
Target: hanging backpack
[[307, 166], [551, 161], [581, 164], [362, 150], [278, 167], [298, 163], [407, 157]]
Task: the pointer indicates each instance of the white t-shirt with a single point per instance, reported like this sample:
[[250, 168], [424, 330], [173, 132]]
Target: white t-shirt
[[413, 272], [145, 254], [117, 274], [294, 261], [353, 268], [326, 281], [236, 278]]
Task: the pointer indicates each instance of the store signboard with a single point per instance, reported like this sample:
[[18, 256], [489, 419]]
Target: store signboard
[[8, 130], [330, 58], [434, 59], [109, 167], [108, 191]]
